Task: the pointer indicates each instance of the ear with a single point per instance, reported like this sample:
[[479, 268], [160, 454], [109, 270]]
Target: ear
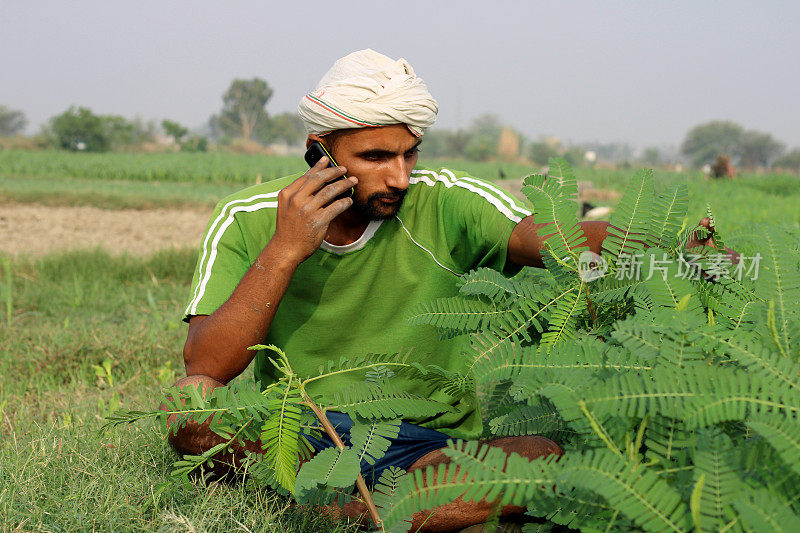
[[313, 137]]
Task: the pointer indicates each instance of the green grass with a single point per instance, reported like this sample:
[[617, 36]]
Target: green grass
[[112, 194], [211, 167], [181, 167], [58, 470]]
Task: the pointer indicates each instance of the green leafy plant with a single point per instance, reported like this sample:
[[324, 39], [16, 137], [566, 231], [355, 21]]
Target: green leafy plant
[[283, 415], [670, 380], [676, 400]]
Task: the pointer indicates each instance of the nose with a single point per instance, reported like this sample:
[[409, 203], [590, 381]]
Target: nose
[[397, 175]]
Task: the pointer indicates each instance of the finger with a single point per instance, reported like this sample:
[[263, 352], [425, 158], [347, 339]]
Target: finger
[[319, 165], [332, 190], [317, 180], [297, 184], [697, 235], [335, 209]]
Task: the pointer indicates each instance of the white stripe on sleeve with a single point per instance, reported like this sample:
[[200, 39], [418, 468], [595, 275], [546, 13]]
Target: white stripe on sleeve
[[494, 200], [216, 232]]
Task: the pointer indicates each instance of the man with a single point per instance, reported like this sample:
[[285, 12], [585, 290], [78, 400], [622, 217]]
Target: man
[[294, 263]]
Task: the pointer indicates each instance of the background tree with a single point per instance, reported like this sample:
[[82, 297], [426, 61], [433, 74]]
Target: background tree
[[651, 157], [187, 143], [456, 142], [12, 122], [541, 151], [79, 129], [704, 142], [790, 161], [175, 130], [758, 150], [575, 156], [285, 127], [484, 138], [434, 143], [243, 112], [122, 133]]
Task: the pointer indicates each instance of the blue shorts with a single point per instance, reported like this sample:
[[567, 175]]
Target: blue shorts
[[412, 442]]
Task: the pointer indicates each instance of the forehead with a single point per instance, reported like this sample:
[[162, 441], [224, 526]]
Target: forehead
[[395, 138]]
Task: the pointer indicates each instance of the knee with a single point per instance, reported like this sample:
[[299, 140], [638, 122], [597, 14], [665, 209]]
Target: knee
[[207, 382], [179, 431], [530, 446], [208, 385]]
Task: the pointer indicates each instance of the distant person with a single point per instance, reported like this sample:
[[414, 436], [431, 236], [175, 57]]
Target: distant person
[[722, 167], [290, 263]]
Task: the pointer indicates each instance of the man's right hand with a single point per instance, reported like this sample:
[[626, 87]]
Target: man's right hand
[[306, 208], [216, 345]]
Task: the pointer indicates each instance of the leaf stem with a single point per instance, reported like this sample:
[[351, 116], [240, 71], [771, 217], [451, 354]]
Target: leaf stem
[[331, 431], [598, 429], [354, 369]]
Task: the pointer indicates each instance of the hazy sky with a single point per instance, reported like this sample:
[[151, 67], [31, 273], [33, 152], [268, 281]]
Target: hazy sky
[[643, 72]]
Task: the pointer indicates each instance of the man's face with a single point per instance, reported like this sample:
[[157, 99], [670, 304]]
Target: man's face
[[382, 159]]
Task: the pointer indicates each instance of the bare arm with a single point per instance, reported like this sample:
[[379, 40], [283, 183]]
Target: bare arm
[[216, 345], [525, 243], [527, 240]]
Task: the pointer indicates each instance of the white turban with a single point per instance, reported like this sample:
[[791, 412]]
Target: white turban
[[368, 89]]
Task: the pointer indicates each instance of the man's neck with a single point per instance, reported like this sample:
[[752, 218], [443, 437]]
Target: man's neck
[[346, 229]]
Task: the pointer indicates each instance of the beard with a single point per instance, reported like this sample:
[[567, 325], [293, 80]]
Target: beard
[[373, 209]]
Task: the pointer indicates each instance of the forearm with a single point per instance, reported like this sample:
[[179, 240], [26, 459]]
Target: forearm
[[217, 345], [595, 232], [527, 240]]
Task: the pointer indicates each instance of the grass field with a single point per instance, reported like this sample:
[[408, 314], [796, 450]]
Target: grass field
[[70, 315], [82, 333]]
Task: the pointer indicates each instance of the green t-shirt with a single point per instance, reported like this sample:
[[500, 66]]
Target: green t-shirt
[[352, 300]]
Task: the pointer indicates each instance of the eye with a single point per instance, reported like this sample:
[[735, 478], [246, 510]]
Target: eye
[[411, 153]]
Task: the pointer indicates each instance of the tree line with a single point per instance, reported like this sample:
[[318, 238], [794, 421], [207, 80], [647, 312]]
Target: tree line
[[244, 118]]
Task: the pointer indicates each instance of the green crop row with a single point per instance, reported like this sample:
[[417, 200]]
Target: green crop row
[[211, 167]]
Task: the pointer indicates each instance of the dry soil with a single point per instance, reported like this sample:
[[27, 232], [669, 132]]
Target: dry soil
[[36, 230]]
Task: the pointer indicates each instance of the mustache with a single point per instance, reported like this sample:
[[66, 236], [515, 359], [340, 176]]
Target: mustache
[[399, 195]]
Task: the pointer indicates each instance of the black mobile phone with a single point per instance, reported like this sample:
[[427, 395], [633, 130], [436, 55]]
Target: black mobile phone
[[316, 152]]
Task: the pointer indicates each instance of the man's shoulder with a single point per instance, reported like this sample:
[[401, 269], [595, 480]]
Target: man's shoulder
[[459, 188], [430, 176], [449, 180]]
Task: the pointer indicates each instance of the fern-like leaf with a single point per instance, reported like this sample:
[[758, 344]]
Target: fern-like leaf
[[372, 401], [490, 474], [764, 510], [371, 438], [563, 324], [280, 434], [668, 212], [385, 490], [537, 419], [553, 198], [330, 468], [638, 493], [714, 462], [630, 222], [782, 433]]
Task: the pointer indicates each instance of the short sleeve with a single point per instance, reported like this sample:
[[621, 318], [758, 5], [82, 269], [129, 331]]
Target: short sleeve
[[221, 263], [480, 218]]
